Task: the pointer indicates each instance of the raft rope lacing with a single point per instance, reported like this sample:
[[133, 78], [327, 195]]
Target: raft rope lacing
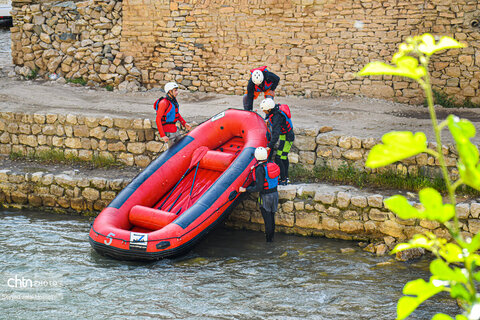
[[178, 237]]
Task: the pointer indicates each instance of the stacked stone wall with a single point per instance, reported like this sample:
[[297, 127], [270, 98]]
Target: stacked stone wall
[[347, 213], [72, 40], [136, 142], [128, 141], [315, 46], [61, 192], [313, 210]]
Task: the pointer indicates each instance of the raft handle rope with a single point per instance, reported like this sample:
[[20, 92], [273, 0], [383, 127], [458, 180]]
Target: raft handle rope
[[170, 238], [234, 192]]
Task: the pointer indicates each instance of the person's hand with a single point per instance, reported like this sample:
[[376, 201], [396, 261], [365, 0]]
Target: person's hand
[[188, 127], [268, 149], [242, 189], [165, 139]]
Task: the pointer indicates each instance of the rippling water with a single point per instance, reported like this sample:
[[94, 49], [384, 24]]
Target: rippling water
[[230, 275]]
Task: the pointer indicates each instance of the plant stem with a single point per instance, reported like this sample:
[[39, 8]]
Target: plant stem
[[451, 191]]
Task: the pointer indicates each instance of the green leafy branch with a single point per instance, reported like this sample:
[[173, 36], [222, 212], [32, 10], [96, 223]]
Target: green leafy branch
[[454, 269]]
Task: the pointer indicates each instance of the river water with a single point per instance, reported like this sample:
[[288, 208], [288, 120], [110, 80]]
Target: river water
[[232, 274]]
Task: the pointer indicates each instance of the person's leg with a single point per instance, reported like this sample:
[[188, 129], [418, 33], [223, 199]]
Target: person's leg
[[268, 208], [245, 103], [173, 137], [269, 227], [279, 158], [271, 231], [281, 165], [286, 164], [282, 153]]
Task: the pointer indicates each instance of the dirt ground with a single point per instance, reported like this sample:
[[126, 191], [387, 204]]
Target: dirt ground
[[354, 116]]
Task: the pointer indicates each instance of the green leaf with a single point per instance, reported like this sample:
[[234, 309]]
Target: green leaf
[[397, 145], [405, 306], [442, 271], [401, 207], [451, 253], [459, 291], [462, 131], [428, 46], [418, 241], [433, 209], [406, 67], [441, 316], [403, 246], [419, 290], [474, 244]]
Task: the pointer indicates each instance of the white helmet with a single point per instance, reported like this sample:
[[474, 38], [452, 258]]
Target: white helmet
[[261, 154], [169, 86], [267, 104], [257, 77]]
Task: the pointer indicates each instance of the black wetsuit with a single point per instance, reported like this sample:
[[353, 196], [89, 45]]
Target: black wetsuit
[[270, 82]]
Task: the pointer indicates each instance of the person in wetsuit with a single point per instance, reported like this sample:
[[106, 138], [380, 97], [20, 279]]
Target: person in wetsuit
[[261, 80], [265, 181], [279, 120]]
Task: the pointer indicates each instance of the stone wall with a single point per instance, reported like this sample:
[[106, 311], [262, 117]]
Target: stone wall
[[136, 142], [61, 192], [346, 213], [315, 46], [128, 141], [316, 210], [72, 40]]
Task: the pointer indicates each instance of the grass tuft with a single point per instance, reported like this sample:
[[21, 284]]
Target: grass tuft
[[446, 101], [59, 156], [33, 74], [349, 175], [80, 81]]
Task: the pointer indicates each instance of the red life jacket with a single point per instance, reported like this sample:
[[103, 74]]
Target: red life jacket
[[171, 113], [272, 172], [285, 111]]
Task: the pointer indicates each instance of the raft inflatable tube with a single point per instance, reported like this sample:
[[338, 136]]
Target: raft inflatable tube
[[184, 193]]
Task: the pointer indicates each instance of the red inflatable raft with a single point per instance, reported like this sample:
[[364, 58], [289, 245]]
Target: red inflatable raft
[[184, 193]]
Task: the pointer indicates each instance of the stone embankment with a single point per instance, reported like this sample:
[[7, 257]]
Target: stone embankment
[[136, 142], [313, 210], [319, 210]]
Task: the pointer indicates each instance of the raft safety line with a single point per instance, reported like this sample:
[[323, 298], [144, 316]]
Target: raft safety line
[[164, 239]]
